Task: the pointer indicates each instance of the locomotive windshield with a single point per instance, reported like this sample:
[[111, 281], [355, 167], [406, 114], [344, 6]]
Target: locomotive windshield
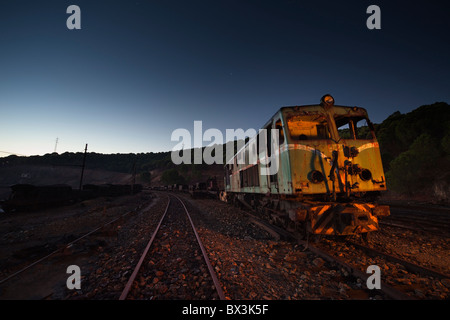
[[308, 128], [355, 128]]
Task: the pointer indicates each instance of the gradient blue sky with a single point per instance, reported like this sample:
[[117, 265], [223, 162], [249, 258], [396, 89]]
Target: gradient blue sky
[[137, 70]]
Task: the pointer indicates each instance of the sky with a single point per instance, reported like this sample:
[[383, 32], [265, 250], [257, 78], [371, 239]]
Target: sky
[[138, 70]]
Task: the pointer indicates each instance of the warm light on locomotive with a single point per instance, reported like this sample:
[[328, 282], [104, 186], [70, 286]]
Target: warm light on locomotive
[[327, 100], [329, 172]]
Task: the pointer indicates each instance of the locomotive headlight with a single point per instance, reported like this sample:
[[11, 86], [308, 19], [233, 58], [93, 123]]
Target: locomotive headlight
[[327, 100], [365, 175], [315, 176]]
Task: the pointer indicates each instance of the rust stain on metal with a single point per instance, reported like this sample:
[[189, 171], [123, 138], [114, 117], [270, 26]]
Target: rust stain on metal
[[329, 155]]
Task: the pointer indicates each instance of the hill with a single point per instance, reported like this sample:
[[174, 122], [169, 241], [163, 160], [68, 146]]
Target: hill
[[415, 149], [149, 168]]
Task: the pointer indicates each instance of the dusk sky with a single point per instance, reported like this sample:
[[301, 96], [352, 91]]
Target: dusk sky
[[138, 70]]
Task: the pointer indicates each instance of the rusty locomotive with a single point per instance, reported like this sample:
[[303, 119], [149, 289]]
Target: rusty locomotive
[[329, 175]]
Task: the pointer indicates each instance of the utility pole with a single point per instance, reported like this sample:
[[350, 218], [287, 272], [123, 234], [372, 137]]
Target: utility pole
[[82, 167], [56, 144], [133, 178]]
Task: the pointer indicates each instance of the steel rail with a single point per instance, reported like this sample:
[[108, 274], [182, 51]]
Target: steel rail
[[418, 228], [205, 256], [68, 245], [132, 278], [409, 265], [387, 289], [127, 288]]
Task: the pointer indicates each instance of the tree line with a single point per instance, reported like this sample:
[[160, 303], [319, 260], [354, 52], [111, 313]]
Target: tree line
[[415, 150]]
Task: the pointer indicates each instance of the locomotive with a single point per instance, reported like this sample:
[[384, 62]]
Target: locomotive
[[329, 173]]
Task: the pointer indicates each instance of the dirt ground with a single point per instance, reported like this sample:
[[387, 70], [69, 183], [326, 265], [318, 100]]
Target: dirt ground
[[28, 236]]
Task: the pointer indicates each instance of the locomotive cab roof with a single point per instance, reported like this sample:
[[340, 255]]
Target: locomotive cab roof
[[340, 112], [326, 106]]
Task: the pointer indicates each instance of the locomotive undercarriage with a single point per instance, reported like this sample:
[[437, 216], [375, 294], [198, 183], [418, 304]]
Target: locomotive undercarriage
[[314, 217]]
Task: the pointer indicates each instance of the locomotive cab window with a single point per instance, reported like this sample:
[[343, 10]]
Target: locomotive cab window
[[308, 128], [355, 128]]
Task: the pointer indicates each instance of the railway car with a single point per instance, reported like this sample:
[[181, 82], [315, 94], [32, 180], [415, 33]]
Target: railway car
[[329, 172], [208, 189], [26, 197]]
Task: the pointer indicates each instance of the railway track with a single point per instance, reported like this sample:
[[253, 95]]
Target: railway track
[[61, 249], [426, 220], [426, 226], [413, 267], [38, 279], [401, 279], [175, 261], [174, 264]]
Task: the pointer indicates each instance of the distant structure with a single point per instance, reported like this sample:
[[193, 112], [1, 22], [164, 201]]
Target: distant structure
[[56, 145], [82, 167]]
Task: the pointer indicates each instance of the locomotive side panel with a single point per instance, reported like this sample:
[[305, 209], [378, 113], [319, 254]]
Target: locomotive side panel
[[310, 169]]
